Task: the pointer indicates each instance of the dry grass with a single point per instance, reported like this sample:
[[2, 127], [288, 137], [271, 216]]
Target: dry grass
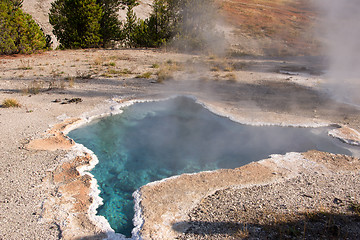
[[112, 64], [220, 64], [167, 70], [268, 18], [25, 65], [164, 74], [38, 86], [126, 71], [155, 65], [146, 75], [98, 61], [34, 88], [242, 233], [214, 69], [10, 103], [288, 21], [83, 75], [355, 207], [113, 71], [54, 84], [229, 68], [231, 77], [71, 81]]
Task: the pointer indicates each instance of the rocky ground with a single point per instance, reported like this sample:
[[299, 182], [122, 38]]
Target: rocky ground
[[58, 85], [309, 206]]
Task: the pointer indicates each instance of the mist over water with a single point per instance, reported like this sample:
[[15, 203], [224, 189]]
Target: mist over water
[[155, 140], [342, 33]]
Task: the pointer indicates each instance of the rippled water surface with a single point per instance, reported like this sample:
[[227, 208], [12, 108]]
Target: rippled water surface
[[155, 140]]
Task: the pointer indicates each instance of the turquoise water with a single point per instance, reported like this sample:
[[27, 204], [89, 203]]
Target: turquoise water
[[155, 140]]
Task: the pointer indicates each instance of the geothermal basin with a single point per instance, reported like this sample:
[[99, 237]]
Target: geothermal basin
[[150, 141]]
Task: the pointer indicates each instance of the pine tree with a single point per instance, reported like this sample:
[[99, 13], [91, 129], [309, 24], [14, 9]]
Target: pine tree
[[110, 25], [186, 24], [193, 23], [131, 24], [19, 32], [76, 23], [152, 32], [159, 22]]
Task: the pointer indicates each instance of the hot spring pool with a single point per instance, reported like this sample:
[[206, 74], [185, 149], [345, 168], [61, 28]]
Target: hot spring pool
[[155, 140]]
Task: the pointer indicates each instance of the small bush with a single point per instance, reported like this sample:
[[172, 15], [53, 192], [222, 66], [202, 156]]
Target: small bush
[[164, 74], [71, 81], [112, 64], [107, 75], [125, 71], [355, 207], [155, 65], [10, 102], [82, 75], [98, 61], [228, 69], [146, 75], [214, 69], [242, 232], [34, 88], [53, 85], [25, 65], [212, 57], [114, 71], [231, 77]]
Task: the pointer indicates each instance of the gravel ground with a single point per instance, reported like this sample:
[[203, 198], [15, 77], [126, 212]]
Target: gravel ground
[[310, 206]]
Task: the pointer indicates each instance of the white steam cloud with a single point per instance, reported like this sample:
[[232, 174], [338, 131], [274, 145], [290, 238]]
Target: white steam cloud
[[342, 34]]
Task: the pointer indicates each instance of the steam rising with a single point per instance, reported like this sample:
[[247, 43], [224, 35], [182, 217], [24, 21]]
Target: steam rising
[[201, 28], [342, 26]]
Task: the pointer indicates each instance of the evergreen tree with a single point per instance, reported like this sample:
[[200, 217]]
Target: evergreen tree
[[152, 32], [76, 23], [192, 23], [110, 25], [131, 23], [186, 24], [19, 32], [159, 23]]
